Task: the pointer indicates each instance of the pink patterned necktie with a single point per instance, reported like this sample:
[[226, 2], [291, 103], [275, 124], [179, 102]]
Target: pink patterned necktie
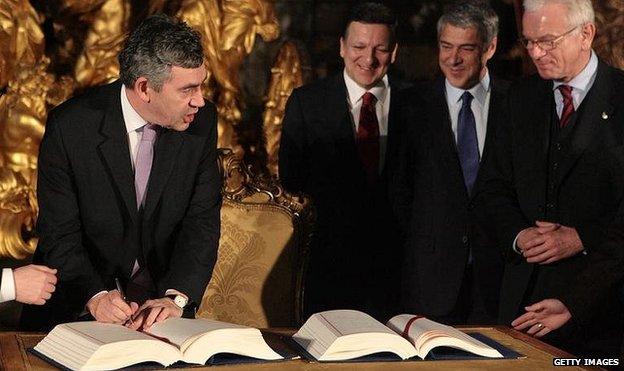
[[568, 105], [143, 164]]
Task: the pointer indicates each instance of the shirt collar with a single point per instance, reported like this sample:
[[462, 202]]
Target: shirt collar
[[131, 117], [355, 91], [479, 91], [585, 78]]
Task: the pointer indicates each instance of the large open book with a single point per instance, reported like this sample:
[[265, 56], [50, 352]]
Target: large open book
[[101, 346], [339, 335]]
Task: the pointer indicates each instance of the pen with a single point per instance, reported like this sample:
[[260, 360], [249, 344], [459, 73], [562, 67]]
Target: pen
[[123, 294]]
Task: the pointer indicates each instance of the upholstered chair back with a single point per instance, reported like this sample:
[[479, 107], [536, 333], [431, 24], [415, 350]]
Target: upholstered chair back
[[265, 234]]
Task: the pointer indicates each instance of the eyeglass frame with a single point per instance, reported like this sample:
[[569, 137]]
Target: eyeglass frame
[[554, 43]]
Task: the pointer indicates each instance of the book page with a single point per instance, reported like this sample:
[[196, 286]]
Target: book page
[[104, 333], [426, 334], [346, 334], [183, 331], [348, 322]]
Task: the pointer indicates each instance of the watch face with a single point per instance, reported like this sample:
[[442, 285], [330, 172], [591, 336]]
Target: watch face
[[180, 301]]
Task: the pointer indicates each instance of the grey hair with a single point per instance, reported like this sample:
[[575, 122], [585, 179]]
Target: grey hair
[[156, 45], [579, 13], [472, 13]]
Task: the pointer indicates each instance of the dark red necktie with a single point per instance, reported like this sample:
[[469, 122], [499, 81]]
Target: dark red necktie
[[568, 105], [368, 137]]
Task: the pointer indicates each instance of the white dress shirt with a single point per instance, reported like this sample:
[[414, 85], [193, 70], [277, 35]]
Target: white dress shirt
[[480, 106], [580, 84], [381, 91], [7, 287]]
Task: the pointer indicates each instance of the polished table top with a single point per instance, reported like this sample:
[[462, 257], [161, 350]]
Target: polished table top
[[536, 356]]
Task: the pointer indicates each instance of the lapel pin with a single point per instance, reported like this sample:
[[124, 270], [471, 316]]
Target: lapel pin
[[605, 116]]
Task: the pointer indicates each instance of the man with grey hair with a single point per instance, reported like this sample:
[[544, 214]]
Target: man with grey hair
[[451, 272], [556, 195], [129, 190]]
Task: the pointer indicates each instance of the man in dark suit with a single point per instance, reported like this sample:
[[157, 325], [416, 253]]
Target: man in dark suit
[[556, 195], [129, 188], [337, 141], [451, 270]]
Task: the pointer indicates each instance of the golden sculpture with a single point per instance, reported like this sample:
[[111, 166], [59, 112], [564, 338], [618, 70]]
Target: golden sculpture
[[228, 30], [20, 36], [98, 64], [285, 76], [18, 210]]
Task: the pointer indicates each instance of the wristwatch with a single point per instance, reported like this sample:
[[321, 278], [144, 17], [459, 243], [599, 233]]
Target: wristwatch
[[179, 300]]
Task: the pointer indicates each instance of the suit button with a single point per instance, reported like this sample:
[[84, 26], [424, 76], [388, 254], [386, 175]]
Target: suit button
[[471, 206], [555, 166], [558, 146], [550, 206], [465, 239]]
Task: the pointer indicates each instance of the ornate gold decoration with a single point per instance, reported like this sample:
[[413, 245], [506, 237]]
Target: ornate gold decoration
[[228, 29], [609, 43], [98, 63], [285, 76], [18, 210], [20, 36]]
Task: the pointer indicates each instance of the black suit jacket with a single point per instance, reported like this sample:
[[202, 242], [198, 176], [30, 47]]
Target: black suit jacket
[[89, 227], [436, 213], [587, 192], [318, 156]]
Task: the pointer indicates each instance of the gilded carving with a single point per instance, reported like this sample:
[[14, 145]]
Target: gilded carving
[[98, 62], [229, 29], [285, 76], [18, 210]]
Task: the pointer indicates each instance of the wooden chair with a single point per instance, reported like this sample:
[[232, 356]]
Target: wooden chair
[[265, 235]]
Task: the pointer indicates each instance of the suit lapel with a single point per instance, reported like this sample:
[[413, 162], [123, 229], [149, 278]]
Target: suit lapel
[[596, 103], [166, 150], [337, 114], [495, 113], [116, 154], [444, 138]]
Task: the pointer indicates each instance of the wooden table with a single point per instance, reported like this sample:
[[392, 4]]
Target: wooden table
[[537, 356]]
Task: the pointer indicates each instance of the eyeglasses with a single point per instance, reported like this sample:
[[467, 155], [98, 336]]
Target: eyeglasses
[[545, 45]]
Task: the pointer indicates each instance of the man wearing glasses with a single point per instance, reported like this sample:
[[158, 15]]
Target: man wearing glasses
[[555, 196]]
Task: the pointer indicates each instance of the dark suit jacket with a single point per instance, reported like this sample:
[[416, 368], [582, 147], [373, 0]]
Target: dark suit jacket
[[431, 201], [587, 188], [89, 227], [318, 156]]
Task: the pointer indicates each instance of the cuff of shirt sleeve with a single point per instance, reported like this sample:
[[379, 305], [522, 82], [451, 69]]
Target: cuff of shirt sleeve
[[7, 287], [514, 246]]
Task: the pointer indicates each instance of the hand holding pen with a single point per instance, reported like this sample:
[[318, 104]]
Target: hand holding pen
[[123, 297], [110, 307]]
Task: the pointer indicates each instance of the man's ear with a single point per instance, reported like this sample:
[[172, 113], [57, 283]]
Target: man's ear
[[491, 49], [142, 89], [394, 52], [588, 32]]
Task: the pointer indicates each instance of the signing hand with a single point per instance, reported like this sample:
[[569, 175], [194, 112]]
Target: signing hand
[[554, 242], [111, 308], [34, 284], [542, 317], [153, 311]]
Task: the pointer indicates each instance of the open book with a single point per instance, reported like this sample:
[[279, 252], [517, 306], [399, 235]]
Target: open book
[[102, 346], [339, 335]]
